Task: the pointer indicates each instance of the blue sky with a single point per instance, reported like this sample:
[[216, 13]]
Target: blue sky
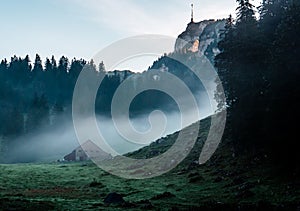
[[80, 28]]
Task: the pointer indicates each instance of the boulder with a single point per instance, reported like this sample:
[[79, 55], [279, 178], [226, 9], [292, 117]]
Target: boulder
[[114, 198]]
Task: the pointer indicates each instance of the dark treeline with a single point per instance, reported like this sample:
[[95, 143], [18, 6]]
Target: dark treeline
[[35, 94], [259, 67]]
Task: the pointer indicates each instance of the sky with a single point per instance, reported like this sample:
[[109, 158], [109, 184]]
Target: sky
[[81, 28]]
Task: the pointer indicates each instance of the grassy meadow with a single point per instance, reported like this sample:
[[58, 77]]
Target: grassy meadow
[[226, 182]]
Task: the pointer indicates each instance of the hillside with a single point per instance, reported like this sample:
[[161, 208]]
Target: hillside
[[225, 182]]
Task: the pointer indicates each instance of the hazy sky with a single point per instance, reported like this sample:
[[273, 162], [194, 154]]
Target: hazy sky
[[80, 28]]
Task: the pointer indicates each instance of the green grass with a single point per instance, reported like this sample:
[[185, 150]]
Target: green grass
[[224, 182], [67, 186]]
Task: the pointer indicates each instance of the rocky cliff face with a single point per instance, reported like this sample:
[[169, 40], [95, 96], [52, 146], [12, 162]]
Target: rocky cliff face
[[202, 37]]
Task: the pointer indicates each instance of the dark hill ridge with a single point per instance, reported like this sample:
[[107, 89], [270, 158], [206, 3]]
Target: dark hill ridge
[[163, 144], [228, 180]]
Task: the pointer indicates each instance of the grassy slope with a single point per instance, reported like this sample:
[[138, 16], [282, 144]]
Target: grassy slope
[[225, 182]]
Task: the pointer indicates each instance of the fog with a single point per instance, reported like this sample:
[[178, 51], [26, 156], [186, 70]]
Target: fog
[[51, 144]]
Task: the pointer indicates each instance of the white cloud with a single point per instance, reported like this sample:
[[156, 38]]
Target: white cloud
[[132, 17], [168, 17]]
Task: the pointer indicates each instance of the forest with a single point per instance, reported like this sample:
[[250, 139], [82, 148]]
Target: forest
[[258, 65], [35, 95], [259, 68], [32, 94], [255, 167]]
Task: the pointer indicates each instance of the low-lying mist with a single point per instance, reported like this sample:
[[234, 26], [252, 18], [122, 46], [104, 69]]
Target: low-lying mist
[[51, 144]]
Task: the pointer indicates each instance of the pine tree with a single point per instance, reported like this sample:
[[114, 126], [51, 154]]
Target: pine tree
[[101, 67], [63, 65], [53, 63], [246, 30], [225, 60], [38, 66], [3, 65], [271, 13], [48, 65]]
